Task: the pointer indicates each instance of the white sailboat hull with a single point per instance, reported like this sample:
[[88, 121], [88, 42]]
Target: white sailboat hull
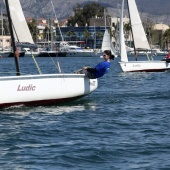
[[145, 66], [44, 89]]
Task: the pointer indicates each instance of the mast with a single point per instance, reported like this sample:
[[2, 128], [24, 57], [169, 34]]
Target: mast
[[48, 31], [36, 36], [131, 27], [122, 47], [2, 22], [105, 18], [94, 36], [51, 30], [12, 38]]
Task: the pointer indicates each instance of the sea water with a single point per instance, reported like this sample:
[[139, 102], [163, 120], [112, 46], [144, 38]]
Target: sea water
[[124, 124]]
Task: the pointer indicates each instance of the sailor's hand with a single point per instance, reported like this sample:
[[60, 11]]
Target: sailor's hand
[[85, 68]]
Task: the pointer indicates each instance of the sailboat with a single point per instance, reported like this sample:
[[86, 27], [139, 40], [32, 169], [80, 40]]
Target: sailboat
[[107, 43], [23, 37], [140, 43], [44, 89]]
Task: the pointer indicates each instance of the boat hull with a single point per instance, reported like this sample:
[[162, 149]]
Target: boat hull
[[30, 54], [22, 54], [51, 54], [4, 54], [44, 89], [145, 66], [82, 54]]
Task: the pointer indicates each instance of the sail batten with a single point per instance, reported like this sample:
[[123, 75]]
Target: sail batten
[[20, 27], [139, 36]]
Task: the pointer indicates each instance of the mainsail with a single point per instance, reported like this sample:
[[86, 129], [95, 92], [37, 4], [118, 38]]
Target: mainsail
[[21, 30], [139, 36], [122, 46]]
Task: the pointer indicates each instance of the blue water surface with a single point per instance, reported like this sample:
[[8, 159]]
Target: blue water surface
[[123, 125]]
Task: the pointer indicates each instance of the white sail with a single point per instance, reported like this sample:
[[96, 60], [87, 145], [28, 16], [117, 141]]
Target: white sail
[[21, 30], [122, 46], [107, 43], [139, 36], [112, 48]]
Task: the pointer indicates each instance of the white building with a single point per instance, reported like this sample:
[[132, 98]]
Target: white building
[[5, 41]]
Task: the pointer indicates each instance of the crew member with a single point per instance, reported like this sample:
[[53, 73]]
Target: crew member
[[101, 69], [167, 58]]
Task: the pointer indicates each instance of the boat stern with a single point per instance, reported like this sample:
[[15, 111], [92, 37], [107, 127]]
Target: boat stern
[[90, 85], [93, 84], [123, 66]]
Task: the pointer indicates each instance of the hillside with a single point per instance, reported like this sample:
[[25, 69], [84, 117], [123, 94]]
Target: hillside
[[158, 10]]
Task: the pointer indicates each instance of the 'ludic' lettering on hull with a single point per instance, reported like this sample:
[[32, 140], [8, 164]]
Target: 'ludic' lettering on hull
[[26, 88]]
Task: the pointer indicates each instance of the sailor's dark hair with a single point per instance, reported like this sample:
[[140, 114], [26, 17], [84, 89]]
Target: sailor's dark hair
[[109, 53]]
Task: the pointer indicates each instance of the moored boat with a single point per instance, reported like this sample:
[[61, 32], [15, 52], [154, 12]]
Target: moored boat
[[51, 54], [21, 54]]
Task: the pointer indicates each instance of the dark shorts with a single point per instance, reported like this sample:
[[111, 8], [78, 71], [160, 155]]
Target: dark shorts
[[88, 74]]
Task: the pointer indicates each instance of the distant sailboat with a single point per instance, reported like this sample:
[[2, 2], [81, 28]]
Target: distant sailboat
[[44, 89], [107, 43], [140, 43]]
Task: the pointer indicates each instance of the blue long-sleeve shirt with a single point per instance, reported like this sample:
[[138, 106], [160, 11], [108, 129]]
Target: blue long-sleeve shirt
[[102, 68]]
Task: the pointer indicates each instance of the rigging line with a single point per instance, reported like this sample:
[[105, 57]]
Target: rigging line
[[58, 64], [147, 56], [57, 20], [39, 70]]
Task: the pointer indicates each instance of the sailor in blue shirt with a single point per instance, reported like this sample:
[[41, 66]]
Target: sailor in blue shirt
[[102, 68]]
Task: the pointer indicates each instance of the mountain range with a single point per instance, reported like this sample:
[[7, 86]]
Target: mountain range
[[156, 10]]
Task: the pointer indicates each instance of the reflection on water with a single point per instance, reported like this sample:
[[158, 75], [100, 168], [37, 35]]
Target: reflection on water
[[77, 106]]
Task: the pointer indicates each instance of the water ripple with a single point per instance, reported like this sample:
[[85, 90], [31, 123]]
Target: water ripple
[[123, 125]]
